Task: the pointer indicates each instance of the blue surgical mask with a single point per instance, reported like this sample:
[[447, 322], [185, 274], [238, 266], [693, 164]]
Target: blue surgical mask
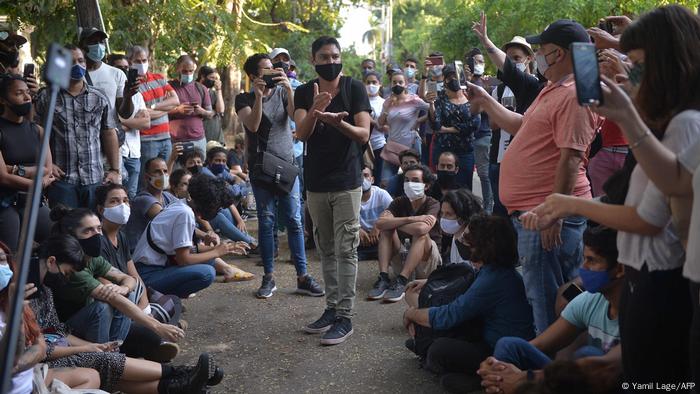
[[217, 169], [5, 276], [593, 281], [186, 78], [96, 52], [77, 72], [410, 72]]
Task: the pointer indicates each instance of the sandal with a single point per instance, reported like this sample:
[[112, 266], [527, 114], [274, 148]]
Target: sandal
[[239, 276]]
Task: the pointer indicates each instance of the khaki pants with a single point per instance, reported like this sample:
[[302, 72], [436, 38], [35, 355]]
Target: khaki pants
[[336, 218]]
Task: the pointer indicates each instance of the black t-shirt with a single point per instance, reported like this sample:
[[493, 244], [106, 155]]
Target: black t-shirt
[[118, 256], [401, 207], [333, 161], [18, 145]]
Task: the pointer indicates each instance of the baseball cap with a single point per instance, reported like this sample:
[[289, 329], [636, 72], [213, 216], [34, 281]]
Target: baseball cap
[[520, 41], [277, 51], [561, 33], [10, 38], [88, 32]]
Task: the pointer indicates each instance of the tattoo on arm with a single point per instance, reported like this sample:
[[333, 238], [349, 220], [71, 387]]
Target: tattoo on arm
[[28, 359], [491, 50]]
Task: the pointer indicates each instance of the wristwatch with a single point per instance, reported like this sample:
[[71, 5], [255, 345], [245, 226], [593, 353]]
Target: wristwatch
[[21, 171]]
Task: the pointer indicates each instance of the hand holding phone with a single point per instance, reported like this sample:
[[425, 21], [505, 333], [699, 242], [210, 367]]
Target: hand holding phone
[[28, 70], [586, 74]]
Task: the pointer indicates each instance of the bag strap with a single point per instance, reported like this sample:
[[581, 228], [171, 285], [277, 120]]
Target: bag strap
[[152, 244], [87, 78], [499, 91]]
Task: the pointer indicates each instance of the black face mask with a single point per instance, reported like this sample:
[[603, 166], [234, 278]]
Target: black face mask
[[194, 169], [55, 280], [464, 251], [21, 109], [284, 66], [453, 85], [397, 90], [125, 69], [209, 83], [10, 59], [92, 246], [446, 179], [330, 71]]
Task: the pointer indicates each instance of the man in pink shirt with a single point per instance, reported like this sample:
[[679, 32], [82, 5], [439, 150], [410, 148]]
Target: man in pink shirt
[[547, 155]]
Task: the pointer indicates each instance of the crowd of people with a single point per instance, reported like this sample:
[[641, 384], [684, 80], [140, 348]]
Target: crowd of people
[[575, 270]]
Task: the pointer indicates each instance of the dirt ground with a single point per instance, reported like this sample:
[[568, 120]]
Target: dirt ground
[[262, 348]]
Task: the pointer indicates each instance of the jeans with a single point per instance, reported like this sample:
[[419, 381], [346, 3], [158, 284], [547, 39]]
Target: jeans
[[178, 280], [494, 175], [131, 171], [465, 162], [378, 165], [99, 322], [524, 355], [70, 195], [151, 149], [544, 271], [225, 224], [336, 218], [290, 207], [482, 146]]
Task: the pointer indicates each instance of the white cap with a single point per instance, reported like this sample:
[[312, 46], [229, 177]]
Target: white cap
[[276, 51]]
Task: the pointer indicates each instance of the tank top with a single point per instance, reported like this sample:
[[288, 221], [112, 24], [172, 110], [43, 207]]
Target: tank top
[[19, 142]]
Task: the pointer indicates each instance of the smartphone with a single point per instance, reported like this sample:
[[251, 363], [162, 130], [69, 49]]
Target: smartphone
[[187, 147], [28, 70], [34, 276], [572, 291], [461, 76], [436, 60], [586, 74], [606, 25], [470, 64], [268, 76], [431, 87], [132, 76]]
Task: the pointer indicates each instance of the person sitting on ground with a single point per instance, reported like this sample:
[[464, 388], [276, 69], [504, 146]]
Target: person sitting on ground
[[164, 256], [594, 311], [447, 170], [456, 209], [413, 219], [61, 257], [497, 297], [374, 201], [236, 159], [394, 185]]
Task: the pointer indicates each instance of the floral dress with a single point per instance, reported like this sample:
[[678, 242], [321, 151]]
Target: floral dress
[[459, 116]]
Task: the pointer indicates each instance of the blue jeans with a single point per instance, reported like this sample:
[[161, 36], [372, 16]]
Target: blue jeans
[[494, 175], [225, 224], [544, 271], [378, 165], [72, 196], [99, 322], [482, 146], [178, 280], [465, 162], [524, 355], [130, 173], [151, 149], [289, 206]]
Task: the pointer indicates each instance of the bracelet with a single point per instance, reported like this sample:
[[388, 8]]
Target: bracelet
[[640, 140]]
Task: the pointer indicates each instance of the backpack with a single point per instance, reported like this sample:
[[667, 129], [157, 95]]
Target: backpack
[[443, 286]]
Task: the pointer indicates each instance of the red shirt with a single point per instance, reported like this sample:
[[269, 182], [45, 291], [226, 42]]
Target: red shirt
[[612, 135], [189, 127], [154, 90]]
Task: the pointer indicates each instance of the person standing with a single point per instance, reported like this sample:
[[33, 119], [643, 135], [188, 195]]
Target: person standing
[[210, 78], [377, 138], [332, 114]]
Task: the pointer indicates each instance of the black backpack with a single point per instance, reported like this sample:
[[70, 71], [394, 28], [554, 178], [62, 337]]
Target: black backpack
[[443, 286]]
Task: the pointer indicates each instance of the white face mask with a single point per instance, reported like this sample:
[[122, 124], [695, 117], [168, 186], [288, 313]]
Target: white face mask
[[521, 66], [479, 69], [542, 65], [414, 190], [141, 68], [159, 182], [366, 184], [118, 214], [372, 90], [449, 226]]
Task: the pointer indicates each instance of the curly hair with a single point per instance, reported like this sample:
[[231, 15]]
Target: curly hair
[[209, 195], [603, 242], [493, 241], [464, 203], [68, 220]]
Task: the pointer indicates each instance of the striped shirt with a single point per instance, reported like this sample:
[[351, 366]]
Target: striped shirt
[[154, 90], [79, 122]]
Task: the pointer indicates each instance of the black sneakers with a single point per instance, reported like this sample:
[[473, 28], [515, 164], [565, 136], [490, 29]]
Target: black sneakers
[[338, 333], [310, 287], [379, 290], [267, 288], [323, 324]]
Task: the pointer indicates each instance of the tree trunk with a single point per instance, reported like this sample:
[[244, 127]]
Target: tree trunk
[[231, 80], [88, 14]]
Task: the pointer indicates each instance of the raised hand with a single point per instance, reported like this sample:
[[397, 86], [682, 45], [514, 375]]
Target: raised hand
[[259, 87], [480, 29], [321, 100]]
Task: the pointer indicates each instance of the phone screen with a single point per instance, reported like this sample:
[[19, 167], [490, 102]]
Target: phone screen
[[586, 74], [34, 276], [461, 77], [431, 87], [133, 74], [28, 69], [436, 60]]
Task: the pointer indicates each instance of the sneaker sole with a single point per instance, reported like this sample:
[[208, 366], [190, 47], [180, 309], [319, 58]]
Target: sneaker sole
[[395, 299], [322, 330], [310, 293], [377, 297], [262, 297], [165, 352], [335, 341]]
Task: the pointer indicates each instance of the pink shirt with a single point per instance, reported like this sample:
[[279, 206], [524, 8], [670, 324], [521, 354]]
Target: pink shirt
[[189, 127], [554, 121]]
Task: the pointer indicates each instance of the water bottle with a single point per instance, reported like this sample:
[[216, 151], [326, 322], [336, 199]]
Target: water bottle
[[404, 251]]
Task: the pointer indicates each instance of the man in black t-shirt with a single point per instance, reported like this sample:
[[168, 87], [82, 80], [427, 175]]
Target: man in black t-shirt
[[332, 114]]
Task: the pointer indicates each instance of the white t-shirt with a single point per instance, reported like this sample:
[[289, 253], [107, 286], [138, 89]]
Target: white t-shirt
[[110, 80], [505, 139], [132, 137], [455, 257], [690, 159], [377, 139], [663, 251], [21, 382], [171, 229], [370, 210]]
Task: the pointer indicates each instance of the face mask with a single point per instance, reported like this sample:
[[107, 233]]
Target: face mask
[[292, 74], [96, 52], [186, 78], [9, 58], [77, 72], [140, 67], [542, 65], [125, 70], [479, 69], [464, 251], [636, 73], [446, 179], [159, 182], [284, 66], [410, 72], [218, 168], [453, 85], [593, 281], [414, 190], [521, 66], [21, 109], [92, 246], [118, 214], [194, 169], [5, 276], [373, 89], [330, 71], [449, 226], [435, 71], [209, 83], [55, 280], [366, 185], [397, 90]]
